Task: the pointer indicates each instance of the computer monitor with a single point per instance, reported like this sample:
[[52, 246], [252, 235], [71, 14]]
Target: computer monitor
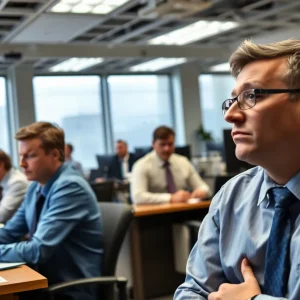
[[233, 164], [184, 151], [212, 146], [141, 151], [103, 164]]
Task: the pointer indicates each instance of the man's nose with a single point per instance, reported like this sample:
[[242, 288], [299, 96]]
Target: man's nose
[[234, 114], [22, 162]]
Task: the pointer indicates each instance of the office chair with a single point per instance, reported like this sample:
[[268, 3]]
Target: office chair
[[184, 151], [220, 180], [104, 190], [116, 219]]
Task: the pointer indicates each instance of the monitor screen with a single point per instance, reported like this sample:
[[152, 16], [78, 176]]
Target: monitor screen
[[141, 151], [103, 164], [184, 150], [233, 164]]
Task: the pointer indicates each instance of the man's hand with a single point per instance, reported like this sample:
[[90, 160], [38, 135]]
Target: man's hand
[[241, 291], [199, 194], [180, 196]]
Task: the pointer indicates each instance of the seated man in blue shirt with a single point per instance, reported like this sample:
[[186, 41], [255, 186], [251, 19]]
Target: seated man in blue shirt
[[60, 213], [249, 243]]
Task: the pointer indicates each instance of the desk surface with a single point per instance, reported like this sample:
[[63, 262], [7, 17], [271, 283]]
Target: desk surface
[[142, 210], [21, 279]]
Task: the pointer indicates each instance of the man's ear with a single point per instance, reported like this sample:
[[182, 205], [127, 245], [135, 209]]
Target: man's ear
[[55, 153]]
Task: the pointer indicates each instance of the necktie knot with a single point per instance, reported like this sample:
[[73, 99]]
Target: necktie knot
[[282, 197], [166, 164]]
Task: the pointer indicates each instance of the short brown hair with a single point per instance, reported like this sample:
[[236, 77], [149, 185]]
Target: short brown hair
[[162, 133], [249, 52], [70, 146], [51, 136], [6, 160]]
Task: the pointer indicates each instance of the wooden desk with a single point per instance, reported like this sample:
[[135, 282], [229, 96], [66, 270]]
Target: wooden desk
[[148, 210], [20, 279], [151, 242]]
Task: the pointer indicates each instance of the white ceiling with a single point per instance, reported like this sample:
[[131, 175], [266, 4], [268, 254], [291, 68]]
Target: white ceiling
[[56, 28], [29, 22]]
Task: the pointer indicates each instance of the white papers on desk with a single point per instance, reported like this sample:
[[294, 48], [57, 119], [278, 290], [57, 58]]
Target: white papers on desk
[[10, 265], [194, 200]]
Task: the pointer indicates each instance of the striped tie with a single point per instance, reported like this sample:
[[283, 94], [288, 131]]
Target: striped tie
[[277, 265]]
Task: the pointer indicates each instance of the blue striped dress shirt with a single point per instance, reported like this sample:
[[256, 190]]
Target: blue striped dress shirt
[[238, 225]]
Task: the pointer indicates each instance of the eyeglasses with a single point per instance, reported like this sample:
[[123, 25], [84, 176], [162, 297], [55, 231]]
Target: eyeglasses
[[247, 99]]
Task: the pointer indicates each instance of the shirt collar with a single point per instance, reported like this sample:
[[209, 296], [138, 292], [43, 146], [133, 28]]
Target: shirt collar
[[161, 162], [268, 183], [44, 190], [5, 179], [294, 186], [126, 157]]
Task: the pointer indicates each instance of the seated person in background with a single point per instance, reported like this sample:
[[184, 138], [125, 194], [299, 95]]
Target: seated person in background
[[249, 243], [13, 186], [60, 213], [69, 159], [162, 176], [121, 163]]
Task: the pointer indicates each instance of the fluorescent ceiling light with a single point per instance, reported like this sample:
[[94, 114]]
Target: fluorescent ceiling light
[[61, 8], [70, 1], [102, 9], [92, 2], [225, 67], [114, 2], [76, 64], [87, 6], [158, 64], [81, 9], [193, 32]]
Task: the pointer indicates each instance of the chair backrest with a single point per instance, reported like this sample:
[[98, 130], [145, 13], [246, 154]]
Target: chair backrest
[[116, 218], [104, 191], [220, 180]]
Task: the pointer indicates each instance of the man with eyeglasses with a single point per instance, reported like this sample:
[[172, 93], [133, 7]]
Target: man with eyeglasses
[[249, 243]]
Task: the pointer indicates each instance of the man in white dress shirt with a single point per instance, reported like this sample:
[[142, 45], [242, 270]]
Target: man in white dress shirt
[[13, 186], [163, 176]]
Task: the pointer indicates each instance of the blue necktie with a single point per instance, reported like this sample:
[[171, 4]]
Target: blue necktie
[[171, 188], [277, 264]]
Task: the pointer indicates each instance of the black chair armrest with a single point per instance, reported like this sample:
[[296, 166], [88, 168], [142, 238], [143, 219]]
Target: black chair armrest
[[120, 282]]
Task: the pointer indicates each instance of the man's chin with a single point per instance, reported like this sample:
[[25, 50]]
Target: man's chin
[[30, 177], [243, 154]]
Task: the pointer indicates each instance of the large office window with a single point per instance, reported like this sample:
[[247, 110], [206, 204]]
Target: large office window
[[139, 103], [4, 140], [73, 102], [214, 89]]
